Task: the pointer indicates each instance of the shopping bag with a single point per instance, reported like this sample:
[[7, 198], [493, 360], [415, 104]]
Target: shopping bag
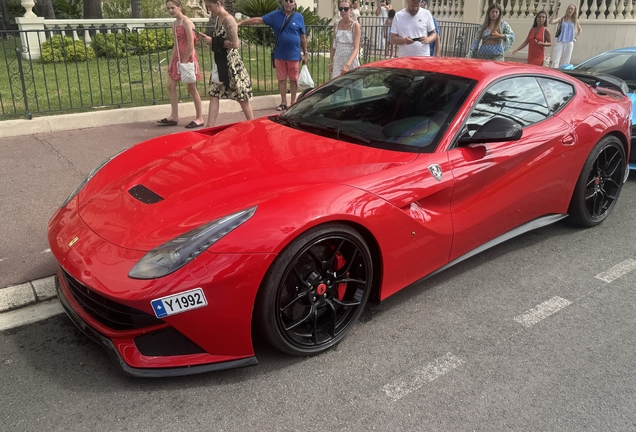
[[215, 74], [304, 78], [187, 72]]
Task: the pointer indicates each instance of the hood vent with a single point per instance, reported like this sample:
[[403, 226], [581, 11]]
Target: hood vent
[[145, 195]]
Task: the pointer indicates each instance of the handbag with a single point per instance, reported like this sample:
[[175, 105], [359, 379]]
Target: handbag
[[187, 70], [558, 31], [215, 74], [279, 33]]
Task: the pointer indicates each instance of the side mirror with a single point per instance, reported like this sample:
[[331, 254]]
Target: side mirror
[[498, 129], [568, 66]]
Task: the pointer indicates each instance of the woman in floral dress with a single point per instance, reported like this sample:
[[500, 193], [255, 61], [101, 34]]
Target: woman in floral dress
[[234, 80], [494, 38]]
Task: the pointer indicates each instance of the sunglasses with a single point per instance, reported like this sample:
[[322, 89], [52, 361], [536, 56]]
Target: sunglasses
[[343, 9], [289, 1]]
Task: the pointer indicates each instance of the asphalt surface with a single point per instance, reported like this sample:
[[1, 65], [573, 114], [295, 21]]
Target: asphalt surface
[[536, 334], [39, 170]]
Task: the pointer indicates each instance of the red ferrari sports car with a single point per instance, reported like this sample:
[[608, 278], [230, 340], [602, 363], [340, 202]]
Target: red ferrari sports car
[[173, 252]]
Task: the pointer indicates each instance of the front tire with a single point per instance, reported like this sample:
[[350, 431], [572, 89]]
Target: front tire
[[315, 290], [599, 183]]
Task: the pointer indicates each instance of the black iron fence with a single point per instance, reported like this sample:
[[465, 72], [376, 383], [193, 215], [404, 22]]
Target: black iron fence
[[128, 67]]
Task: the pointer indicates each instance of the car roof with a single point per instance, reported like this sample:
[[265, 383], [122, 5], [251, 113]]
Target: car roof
[[631, 50], [480, 70]]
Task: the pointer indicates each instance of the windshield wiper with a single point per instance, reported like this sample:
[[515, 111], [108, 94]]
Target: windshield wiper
[[339, 132], [284, 120], [305, 125]]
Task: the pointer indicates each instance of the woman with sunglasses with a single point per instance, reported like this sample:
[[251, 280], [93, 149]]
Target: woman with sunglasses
[[346, 42]]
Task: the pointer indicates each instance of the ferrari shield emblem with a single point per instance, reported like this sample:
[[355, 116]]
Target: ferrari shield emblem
[[72, 242], [436, 171]]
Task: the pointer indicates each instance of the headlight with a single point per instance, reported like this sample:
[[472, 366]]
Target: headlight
[[89, 176], [173, 255]]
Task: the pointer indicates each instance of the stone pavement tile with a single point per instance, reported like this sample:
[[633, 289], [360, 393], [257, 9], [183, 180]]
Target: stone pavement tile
[[16, 297], [44, 288]]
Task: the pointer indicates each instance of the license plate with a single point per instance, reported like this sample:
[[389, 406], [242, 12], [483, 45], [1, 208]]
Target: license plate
[[177, 303]]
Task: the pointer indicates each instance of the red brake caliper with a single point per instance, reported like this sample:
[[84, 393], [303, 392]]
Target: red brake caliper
[[338, 264]]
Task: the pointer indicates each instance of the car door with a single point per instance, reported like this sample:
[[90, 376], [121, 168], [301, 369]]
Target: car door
[[500, 186]]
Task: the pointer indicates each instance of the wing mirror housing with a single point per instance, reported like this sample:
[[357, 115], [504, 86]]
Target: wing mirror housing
[[498, 129]]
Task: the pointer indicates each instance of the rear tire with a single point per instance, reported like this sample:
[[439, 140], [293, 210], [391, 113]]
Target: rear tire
[[315, 290], [599, 183]]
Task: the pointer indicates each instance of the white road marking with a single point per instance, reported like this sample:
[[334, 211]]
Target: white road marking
[[46, 251], [617, 271], [542, 311], [413, 379]]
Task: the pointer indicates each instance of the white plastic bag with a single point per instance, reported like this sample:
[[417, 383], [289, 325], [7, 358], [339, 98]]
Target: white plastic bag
[[304, 78]]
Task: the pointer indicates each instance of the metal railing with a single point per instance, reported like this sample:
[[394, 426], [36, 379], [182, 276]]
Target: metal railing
[[129, 69]]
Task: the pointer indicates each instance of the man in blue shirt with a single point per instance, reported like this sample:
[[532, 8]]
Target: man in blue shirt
[[289, 30], [434, 46]]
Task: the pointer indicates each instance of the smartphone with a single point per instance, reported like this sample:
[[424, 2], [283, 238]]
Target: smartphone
[[417, 39]]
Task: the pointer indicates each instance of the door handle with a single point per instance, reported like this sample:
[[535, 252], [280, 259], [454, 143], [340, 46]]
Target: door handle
[[568, 140]]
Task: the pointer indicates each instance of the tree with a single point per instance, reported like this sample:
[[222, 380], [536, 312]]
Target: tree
[[45, 9], [136, 8], [4, 15], [93, 9]]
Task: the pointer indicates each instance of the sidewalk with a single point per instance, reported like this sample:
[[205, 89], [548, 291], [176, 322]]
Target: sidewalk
[[40, 162]]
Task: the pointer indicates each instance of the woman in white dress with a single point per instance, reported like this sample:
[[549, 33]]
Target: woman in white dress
[[382, 11], [346, 42], [355, 12]]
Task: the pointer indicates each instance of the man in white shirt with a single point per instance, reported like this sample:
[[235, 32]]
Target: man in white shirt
[[412, 30]]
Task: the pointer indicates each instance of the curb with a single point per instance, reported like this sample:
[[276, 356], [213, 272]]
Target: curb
[[26, 294], [98, 118]]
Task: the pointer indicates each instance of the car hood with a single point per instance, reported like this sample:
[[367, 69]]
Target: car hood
[[167, 186]]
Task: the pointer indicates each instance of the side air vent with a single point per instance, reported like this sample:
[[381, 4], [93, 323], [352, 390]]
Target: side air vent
[[145, 195]]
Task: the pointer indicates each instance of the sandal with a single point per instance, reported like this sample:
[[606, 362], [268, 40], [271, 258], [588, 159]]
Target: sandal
[[281, 107], [166, 122]]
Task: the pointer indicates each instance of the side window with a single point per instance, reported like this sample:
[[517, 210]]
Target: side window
[[519, 99], [556, 92]]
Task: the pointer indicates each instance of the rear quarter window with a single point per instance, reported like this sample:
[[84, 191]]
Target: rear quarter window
[[557, 93]]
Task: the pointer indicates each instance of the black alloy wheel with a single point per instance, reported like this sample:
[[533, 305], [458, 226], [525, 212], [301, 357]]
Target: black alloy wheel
[[315, 290], [599, 183]]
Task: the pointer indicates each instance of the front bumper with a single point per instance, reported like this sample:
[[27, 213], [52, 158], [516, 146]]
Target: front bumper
[[112, 350]]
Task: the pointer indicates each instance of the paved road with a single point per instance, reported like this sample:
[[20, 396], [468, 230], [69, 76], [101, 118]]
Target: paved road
[[38, 171], [537, 334]]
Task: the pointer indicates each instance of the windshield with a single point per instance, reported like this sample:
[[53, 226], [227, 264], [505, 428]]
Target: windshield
[[621, 65], [397, 109]]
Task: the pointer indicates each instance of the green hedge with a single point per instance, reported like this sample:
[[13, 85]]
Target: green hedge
[[118, 45], [58, 49]]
